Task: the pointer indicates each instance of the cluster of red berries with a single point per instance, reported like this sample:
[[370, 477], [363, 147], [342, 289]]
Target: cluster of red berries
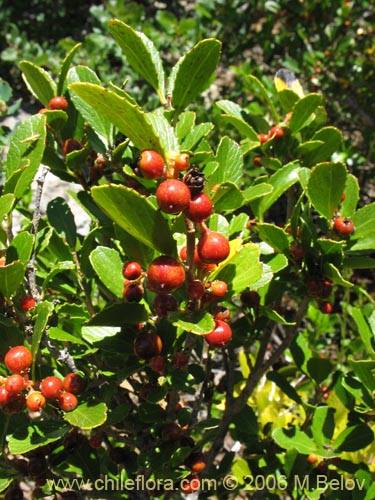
[[320, 289], [18, 361], [274, 132], [133, 289]]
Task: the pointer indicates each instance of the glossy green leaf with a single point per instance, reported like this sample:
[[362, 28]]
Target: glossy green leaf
[[354, 438], [133, 248], [284, 385], [364, 234], [191, 75], [65, 68], [287, 99], [43, 312], [351, 192], [364, 370], [141, 54], [93, 334], [325, 187], [108, 265], [303, 110], [195, 135], [274, 236], [241, 270], [184, 125], [227, 197], [30, 436], [358, 390], [97, 121], [365, 332], [11, 276], [280, 181], [164, 130], [244, 128], [55, 333], [259, 90], [61, 218], [21, 247], [319, 369], [127, 313], [294, 438], [230, 160], [38, 81], [129, 118], [25, 154], [198, 322], [257, 191], [323, 424], [136, 215], [331, 141], [87, 415], [6, 205], [335, 276]]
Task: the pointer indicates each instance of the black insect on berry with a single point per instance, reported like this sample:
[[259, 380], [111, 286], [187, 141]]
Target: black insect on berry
[[195, 181]]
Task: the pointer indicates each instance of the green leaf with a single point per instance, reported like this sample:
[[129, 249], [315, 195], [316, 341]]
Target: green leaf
[[280, 181], [133, 248], [259, 90], [360, 393], [65, 68], [119, 315], [43, 312], [364, 370], [288, 99], [60, 335], [108, 265], [319, 369], [331, 141], [257, 191], [198, 322], [325, 187], [294, 438], [141, 54], [365, 332], [241, 270], [136, 215], [126, 116], [274, 236], [96, 120], [191, 74], [354, 438], [184, 125], [87, 416], [6, 205], [195, 135], [166, 133], [364, 234], [34, 435], [227, 197], [230, 160], [303, 110], [92, 334], [61, 218], [25, 154], [323, 424], [11, 276], [284, 385], [21, 247], [350, 203], [38, 81]]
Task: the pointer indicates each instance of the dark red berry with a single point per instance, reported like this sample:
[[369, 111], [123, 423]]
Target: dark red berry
[[151, 164], [133, 292], [195, 289], [220, 335], [132, 270], [297, 251], [58, 102], [51, 387], [165, 303], [27, 302], [35, 401], [147, 345], [14, 383], [213, 247], [165, 274], [171, 431], [18, 359], [15, 405], [180, 360], [173, 196], [250, 298], [196, 461], [74, 383], [71, 145], [157, 363], [343, 227], [67, 401], [199, 208], [326, 307]]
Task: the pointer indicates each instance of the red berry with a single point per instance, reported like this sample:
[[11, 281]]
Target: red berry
[[4, 395], [133, 292], [74, 383], [151, 164], [213, 247], [16, 404], [58, 102], [165, 303], [51, 387], [195, 289], [181, 162], [132, 270], [276, 132], [157, 363], [190, 484], [312, 458], [196, 462], [297, 251], [257, 161], [35, 401], [95, 441], [343, 226], [263, 138], [172, 196], [222, 313], [147, 345], [326, 307], [165, 274], [27, 302], [18, 359], [199, 208], [220, 335], [197, 260], [343, 197], [14, 383], [71, 145], [180, 360], [67, 401], [219, 288]]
